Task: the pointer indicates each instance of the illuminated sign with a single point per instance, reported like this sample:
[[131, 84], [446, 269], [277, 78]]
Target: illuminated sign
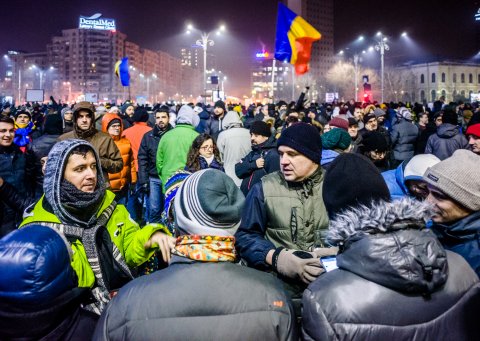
[[96, 23], [477, 15], [263, 54]]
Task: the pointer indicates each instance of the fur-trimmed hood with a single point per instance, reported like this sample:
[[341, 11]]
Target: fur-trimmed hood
[[377, 217], [387, 243]]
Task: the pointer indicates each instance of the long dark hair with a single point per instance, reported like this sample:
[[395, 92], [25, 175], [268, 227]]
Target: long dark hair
[[193, 163]]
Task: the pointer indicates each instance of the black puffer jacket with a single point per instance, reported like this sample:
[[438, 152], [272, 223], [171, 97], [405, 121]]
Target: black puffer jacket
[[395, 282], [199, 301], [147, 154]]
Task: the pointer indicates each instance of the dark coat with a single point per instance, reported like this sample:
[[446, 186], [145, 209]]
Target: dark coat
[[147, 154], [462, 237], [36, 150], [404, 136], [446, 141], [213, 126], [204, 118], [393, 283], [423, 136], [200, 301], [15, 168], [203, 164], [247, 168]]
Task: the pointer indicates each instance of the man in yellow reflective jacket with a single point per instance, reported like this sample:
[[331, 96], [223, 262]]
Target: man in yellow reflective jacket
[[107, 244]]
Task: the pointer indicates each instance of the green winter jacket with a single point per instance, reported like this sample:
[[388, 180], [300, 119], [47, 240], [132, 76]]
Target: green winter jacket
[[124, 232], [173, 150]]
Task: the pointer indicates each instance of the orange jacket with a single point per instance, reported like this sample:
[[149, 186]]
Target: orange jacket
[[128, 174]]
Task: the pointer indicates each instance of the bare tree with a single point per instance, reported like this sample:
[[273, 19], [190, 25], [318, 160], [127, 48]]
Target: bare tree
[[341, 78]]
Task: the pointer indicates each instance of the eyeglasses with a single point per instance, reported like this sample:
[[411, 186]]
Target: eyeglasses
[[207, 147]]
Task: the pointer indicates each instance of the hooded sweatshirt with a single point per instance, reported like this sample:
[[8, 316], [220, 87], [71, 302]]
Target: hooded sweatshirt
[[233, 144], [447, 140]]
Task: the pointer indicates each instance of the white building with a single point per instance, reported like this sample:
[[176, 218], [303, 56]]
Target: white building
[[426, 82]]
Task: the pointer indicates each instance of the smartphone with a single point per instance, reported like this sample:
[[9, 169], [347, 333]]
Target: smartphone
[[329, 263]]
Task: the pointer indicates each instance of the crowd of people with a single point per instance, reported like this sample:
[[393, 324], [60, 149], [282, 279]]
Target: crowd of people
[[280, 221]]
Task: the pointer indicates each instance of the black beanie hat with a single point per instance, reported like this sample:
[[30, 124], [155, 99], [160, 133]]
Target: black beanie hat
[[260, 128], [53, 124], [352, 180], [24, 112], [368, 117], [140, 115], [220, 104], [304, 138], [163, 108], [115, 120], [374, 141]]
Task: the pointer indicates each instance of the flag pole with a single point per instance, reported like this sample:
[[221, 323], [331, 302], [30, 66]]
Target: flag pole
[[273, 79], [293, 82]]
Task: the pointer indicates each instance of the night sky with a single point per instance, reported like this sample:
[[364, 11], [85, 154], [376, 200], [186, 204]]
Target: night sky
[[440, 29]]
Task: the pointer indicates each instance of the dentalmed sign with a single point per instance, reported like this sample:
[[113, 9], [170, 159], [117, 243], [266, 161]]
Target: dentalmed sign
[[95, 22]]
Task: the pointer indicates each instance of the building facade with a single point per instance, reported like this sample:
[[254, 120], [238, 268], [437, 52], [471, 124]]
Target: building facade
[[82, 61], [427, 82]]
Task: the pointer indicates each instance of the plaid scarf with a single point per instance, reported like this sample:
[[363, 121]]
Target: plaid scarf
[[206, 248]]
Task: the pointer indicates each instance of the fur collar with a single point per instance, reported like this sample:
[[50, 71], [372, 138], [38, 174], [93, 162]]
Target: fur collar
[[378, 217]]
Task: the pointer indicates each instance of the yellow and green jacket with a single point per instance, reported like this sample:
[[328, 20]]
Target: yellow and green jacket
[[124, 232]]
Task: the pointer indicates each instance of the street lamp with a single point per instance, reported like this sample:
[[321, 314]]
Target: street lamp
[[382, 46], [69, 90], [147, 79], [41, 73], [204, 42]]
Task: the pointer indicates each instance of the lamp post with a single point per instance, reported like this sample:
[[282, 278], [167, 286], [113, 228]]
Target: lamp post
[[382, 46], [204, 42], [69, 90], [355, 62]]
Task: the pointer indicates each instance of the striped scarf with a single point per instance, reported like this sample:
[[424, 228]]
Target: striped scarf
[[89, 237], [206, 248]]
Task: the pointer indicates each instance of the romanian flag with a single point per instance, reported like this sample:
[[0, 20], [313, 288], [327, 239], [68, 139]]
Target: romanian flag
[[121, 70], [293, 42]]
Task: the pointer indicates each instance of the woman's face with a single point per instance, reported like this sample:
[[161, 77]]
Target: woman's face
[[206, 149]]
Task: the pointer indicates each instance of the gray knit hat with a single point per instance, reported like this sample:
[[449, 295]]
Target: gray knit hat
[[208, 203], [458, 177]]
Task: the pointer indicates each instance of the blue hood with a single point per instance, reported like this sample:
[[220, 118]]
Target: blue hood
[[396, 182]]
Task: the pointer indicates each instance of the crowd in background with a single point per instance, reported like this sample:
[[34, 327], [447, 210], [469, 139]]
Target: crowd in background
[[152, 220]]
